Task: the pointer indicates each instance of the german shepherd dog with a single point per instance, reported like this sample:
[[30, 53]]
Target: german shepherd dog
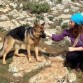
[[27, 35]]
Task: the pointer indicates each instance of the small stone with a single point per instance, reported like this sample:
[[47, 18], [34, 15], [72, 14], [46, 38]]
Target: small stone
[[17, 75], [72, 77]]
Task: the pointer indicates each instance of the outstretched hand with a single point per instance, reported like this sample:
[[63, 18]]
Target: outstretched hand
[[49, 35]]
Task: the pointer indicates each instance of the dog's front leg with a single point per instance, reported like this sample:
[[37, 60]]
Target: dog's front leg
[[29, 53], [36, 53]]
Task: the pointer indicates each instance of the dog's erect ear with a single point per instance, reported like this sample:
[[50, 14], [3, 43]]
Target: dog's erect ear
[[36, 22], [43, 24]]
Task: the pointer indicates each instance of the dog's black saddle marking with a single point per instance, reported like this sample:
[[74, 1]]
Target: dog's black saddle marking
[[17, 33]]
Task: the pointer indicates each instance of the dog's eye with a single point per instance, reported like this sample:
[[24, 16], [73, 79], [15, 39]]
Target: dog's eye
[[42, 31], [41, 28]]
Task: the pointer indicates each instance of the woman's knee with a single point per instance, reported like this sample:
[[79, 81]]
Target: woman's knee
[[72, 56], [71, 60]]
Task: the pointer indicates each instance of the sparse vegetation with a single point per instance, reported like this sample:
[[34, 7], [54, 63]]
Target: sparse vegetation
[[5, 76], [1, 6], [51, 18], [35, 7], [26, 25], [72, 0], [65, 25], [2, 30], [40, 17], [59, 1]]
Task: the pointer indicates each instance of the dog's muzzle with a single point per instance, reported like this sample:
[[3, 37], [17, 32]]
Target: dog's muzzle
[[43, 35]]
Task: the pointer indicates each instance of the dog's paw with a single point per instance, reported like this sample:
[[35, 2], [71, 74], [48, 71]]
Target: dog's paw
[[39, 59], [30, 60]]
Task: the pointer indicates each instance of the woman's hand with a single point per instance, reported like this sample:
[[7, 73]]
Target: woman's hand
[[48, 34], [75, 49]]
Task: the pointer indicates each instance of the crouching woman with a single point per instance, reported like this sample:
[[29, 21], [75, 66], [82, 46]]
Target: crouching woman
[[74, 56]]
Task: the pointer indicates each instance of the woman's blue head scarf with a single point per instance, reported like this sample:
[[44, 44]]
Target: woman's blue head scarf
[[77, 18]]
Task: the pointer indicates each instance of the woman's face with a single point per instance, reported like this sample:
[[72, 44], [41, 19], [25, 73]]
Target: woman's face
[[71, 24]]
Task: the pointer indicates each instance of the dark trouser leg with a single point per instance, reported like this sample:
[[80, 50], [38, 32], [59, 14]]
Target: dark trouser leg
[[72, 59], [81, 60]]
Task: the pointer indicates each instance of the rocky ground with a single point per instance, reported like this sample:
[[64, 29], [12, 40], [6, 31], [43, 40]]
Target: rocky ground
[[51, 69]]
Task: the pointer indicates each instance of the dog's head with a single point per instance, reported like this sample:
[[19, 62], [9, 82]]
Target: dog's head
[[39, 29]]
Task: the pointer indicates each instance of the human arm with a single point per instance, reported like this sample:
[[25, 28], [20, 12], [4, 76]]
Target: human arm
[[75, 48], [58, 37]]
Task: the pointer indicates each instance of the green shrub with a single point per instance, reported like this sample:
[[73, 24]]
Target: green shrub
[[2, 30], [1, 6], [40, 17], [72, 0], [35, 7], [51, 18], [59, 1], [26, 25], [65, 25]]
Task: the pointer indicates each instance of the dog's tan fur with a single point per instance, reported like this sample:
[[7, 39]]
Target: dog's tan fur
[[28, 41]]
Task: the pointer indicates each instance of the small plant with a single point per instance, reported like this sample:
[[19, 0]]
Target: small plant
[[35, 7], [59, 1], [72, 0], [51, 18], [2, 30], [1, 6], [26, 25], [65, 25], [40, 17]]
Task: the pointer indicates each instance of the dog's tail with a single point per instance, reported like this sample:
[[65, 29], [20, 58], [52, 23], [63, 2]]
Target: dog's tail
[[2, 48]]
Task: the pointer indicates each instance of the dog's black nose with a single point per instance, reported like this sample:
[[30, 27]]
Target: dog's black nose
[[43, 35]]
